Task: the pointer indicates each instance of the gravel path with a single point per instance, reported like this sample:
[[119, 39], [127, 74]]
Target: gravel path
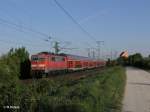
[[137, 92]]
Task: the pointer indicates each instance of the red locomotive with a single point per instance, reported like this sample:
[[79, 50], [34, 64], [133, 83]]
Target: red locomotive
[[48, 63]]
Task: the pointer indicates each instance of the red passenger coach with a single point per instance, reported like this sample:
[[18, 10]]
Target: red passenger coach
[[48, 63], [76, 62]]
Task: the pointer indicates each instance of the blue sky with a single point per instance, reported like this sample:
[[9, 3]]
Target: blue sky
[[122, 24]]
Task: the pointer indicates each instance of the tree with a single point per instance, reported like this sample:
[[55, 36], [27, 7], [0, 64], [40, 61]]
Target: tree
[[18, 61], [10, 71], [122, 61], [136, 59]]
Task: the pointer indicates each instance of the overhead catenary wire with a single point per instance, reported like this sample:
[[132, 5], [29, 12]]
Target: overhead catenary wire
[[18, 28], [25, 28], [19, 43], [74, 20], [10, 43], [34, 44], [13, 27]]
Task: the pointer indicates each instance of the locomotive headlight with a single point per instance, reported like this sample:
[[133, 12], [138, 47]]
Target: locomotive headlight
[[41, 65], [33, 66]]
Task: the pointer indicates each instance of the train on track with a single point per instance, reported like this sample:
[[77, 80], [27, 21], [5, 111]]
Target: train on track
[[45, 63]]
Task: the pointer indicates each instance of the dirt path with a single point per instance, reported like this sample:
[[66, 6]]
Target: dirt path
[[137, 93]]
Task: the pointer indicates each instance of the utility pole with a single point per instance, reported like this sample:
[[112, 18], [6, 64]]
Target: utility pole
[[93, 54], [115, 54], [111, 55], [88, 51], [56, 47], [99, 43]]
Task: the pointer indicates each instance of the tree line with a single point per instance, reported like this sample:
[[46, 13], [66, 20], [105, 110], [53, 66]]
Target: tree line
[[136, 60]]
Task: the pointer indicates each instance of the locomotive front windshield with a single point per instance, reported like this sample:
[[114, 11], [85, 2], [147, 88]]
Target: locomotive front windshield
[[38, 58], [34, 58]]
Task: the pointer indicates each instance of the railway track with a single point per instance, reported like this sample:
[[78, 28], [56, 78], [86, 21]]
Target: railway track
[[66, 76]]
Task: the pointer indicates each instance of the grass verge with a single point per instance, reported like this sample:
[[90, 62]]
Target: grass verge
[[102, 92]]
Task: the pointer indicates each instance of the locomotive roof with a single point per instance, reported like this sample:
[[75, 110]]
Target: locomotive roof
[[76, 57], [51, 53]]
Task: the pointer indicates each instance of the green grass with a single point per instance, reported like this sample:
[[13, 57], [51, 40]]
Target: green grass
[[102, 92], [99, 93]]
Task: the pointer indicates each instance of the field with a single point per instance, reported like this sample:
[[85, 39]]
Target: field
[[100, 92]]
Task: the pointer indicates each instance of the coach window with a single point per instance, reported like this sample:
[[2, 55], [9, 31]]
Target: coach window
[[63, 59], [41, 59], [34, 58], [53, 59], [59, 59]]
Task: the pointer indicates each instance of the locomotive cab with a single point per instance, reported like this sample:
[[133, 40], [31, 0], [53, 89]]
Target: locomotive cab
[[47, 63], [38, 64]]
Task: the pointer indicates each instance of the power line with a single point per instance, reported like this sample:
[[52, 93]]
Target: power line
[[47, 40], [33, 47], [12, 27], [24, 28], [23, 32], [18, 43], [72, 18]]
